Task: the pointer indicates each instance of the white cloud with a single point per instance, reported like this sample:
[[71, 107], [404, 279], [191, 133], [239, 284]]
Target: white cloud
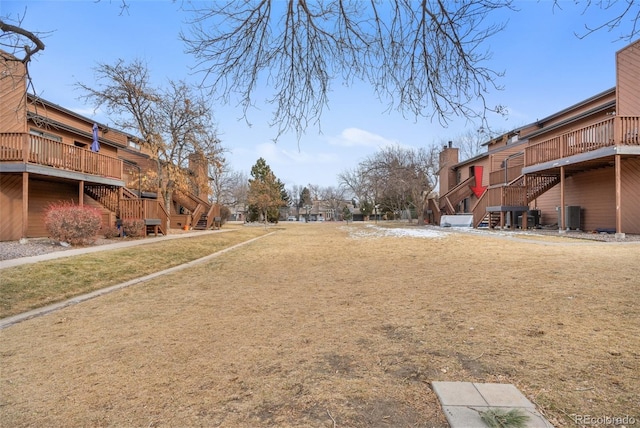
[[272, 153], [354, 137]]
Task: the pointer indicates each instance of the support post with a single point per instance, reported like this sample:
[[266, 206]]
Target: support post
[[25, 204], [525, 214], [618, 167], [81, 193], [561, 224]]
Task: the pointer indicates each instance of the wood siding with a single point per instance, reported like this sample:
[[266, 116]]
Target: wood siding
[[10, 207], [41, 195], [628, 80], [448, 158], [594, 191], [12, 95], [631, 195]]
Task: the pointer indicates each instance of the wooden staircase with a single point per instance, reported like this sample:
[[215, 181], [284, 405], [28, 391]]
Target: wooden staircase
[[205, 213], [130, 206], [536, 184], [453, 197], [106, 195], [490, 220]]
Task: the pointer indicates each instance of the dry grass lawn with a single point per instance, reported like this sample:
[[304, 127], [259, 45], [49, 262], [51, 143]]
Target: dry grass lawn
[[317, 325]]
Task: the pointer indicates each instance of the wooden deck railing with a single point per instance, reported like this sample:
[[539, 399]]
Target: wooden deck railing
[[33, 149], [503, 177], [479, 210], [618, 130], [213, 212], [142, 209], [511, 196]]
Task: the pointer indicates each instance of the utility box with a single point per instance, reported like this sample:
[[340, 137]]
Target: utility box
[[571, 217], [536, 214]]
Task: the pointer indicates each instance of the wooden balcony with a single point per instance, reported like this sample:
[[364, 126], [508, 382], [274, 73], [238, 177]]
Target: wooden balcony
[[614, 131], [35, 150]]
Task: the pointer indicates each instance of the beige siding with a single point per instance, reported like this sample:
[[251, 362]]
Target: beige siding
[[10, 207], [628, 80]]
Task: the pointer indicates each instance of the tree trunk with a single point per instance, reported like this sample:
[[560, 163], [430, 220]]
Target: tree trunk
[[168, 196]]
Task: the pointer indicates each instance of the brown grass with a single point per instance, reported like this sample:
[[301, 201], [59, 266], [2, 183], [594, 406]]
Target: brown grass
[[312, 327], [27, 287]]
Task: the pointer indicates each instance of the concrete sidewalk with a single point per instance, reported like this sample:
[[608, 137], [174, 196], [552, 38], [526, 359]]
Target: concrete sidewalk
[[87, 250], [463, 402]]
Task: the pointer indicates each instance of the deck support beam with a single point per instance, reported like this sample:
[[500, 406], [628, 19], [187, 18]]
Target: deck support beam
[[618, 168], [525, 214], [25, 204], [561, 223], [81, 193]]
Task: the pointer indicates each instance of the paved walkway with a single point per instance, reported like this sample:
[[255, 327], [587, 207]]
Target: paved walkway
[[462, 403]]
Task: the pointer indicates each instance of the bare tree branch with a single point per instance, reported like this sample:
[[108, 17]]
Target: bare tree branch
[[424, 59], [17, 34]]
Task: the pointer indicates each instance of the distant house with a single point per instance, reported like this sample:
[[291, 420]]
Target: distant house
[[576, 169], [46, 157]]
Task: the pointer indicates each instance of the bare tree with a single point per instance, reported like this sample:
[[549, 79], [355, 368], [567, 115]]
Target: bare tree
[[17, 47], [334, 197], [222, 179], [295, 193], [174, 123], [235, 192], [404, 178], [363, 183], [19, 42], [614, 14]]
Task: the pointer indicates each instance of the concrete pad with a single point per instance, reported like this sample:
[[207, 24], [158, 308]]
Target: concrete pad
[[458, 394], [462, 403], [503, 395]]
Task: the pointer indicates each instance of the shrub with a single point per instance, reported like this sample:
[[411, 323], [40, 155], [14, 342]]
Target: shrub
[[133, 228], [110, 232], [225, 214], [67, 222]]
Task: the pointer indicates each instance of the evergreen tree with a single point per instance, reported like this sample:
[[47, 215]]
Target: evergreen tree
[[265, 193]]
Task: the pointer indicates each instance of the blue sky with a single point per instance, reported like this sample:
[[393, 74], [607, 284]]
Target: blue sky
[[547, 68]]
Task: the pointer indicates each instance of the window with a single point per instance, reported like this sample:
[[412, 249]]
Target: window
[[43, 134], [134, 145]]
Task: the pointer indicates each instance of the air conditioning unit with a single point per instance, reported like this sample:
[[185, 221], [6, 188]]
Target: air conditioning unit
[[571, 217]]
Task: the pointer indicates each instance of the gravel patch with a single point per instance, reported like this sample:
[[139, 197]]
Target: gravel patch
[[38, 246]]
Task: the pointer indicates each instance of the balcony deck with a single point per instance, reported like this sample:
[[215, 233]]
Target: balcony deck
[[22, 152], [585, 148]]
